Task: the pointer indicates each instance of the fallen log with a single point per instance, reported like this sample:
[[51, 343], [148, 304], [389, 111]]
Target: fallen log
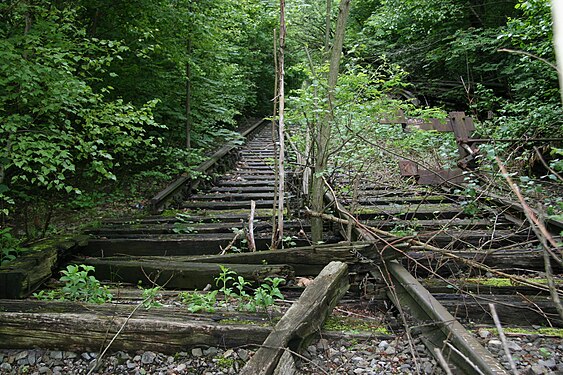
[[175, 274], [303, 319], [87, 327]]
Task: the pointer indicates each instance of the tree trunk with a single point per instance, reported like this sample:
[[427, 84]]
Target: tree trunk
[[274, 128], [281, 132], [557, 15], [323, 134], [188, 98]]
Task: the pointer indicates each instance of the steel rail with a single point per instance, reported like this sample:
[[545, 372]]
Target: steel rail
[[438, 328]]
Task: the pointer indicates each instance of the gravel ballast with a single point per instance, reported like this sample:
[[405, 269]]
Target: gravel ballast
[[533, 355]]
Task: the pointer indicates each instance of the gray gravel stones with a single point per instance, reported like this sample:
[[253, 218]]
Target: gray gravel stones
[[369, 357], [209, 361], [533, 355]]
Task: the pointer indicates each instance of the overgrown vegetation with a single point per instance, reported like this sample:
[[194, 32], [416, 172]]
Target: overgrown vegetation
[[99, 106], [96, 102], [9, 246], [349, 325], [235, 290], [78, 285], [493, 61]]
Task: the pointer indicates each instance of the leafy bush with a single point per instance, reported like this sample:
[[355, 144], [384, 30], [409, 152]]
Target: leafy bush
[[234, 288], [78, 286], [9, 246]]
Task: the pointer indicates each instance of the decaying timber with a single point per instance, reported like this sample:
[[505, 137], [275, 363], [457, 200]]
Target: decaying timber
[[183, 185], [306, 261], [89, 327], [304, 318], [176, 274], [22, 276]]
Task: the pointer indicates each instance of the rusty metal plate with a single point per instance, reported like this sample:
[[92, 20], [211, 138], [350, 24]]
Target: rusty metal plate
[[408, 168], [439, 177]]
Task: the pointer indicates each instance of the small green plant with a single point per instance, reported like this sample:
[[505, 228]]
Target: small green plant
[[265, 295], [183, 224], [470, 204], [225, 278], [345, 324], [545, 353], [196, 301], [225, 363], [9, 246], [150, 296], [289, 241], [243, 299], [403, 231], [234, 288], [78, 286]]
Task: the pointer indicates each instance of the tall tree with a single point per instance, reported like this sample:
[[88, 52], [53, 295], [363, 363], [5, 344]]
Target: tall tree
[[323, 132]]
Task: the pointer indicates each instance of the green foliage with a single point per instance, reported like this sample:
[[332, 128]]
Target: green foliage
[[289, 241], [365, 95], [78, 286], [265, 295], [470, 204], [225, 363], [224, 282], [233, 288], [557, 163], [183, 224], [453, 53], [57, 127], [84, 93], [196, 301], [343, 324], [9, 246], [150, 297]]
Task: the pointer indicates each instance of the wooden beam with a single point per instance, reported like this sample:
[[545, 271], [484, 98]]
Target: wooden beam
[[87, 327], [172, 273], [306, 261], [19, 278], [303, 319]]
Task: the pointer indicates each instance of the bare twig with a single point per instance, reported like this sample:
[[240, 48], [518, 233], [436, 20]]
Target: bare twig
[[469, 362], [99, 358], [442, 361], [503, 338], [537, 226], [274, 143], [422, 245], [235, 238], [278, 233], [543, 235], [250, 234], [518, 52], [542, 160]]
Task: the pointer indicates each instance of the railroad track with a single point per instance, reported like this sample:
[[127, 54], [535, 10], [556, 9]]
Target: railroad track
[[418, 248]]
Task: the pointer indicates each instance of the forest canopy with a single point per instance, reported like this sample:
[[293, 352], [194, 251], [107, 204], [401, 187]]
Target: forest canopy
[[99, 96]]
